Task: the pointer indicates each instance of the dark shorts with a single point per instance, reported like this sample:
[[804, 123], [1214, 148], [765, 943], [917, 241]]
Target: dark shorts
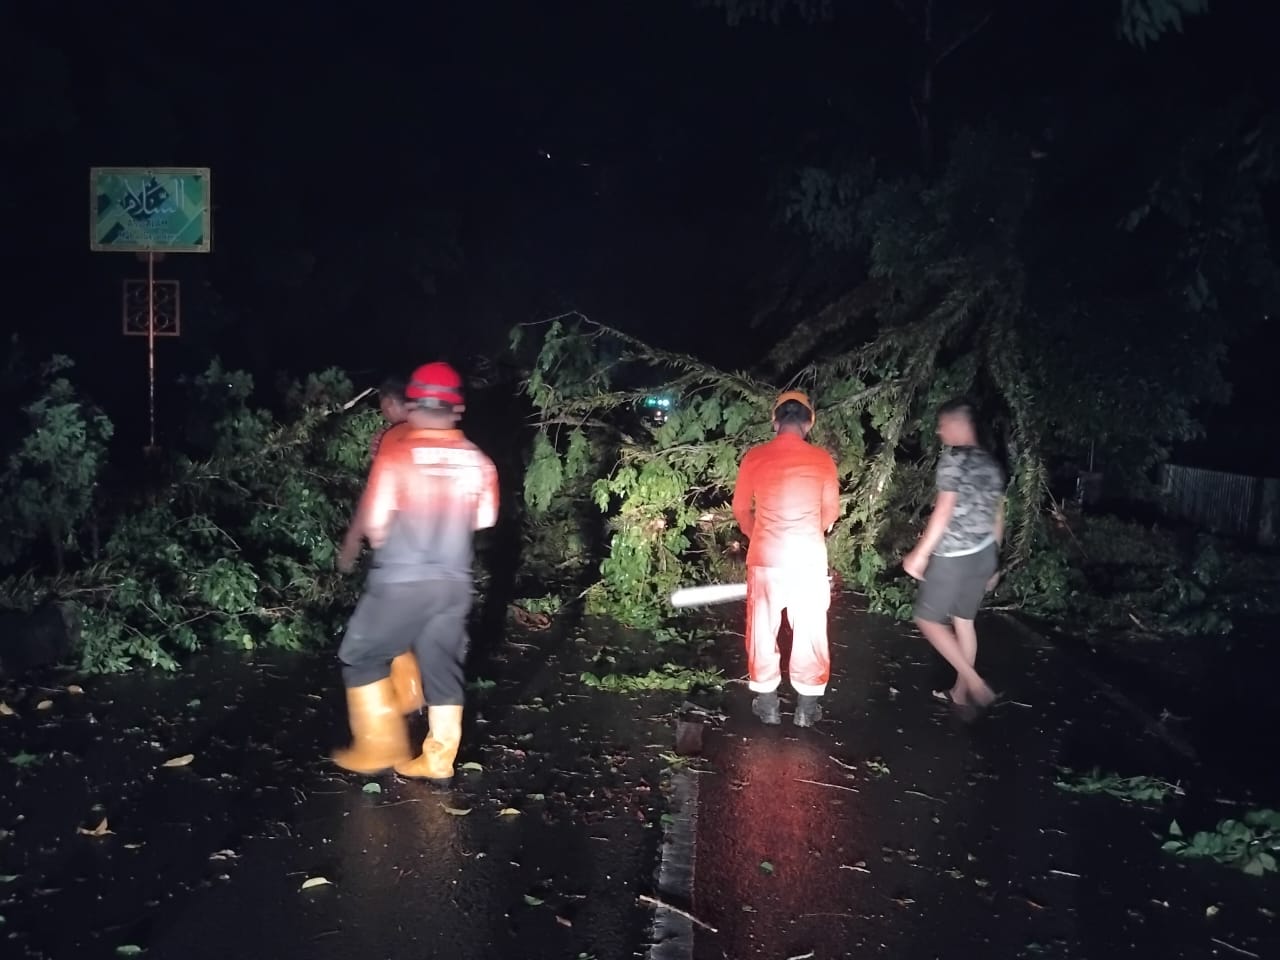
[[954, 586], [428, 617]]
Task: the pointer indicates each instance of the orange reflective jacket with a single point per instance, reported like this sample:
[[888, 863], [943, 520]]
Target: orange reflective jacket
[[388, 433], [787, 495], [428, 492]]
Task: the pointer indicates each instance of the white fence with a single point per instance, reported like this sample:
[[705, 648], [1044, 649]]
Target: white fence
[[1223, 503]]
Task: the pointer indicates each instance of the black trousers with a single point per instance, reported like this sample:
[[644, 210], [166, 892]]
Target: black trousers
[[428, 617]]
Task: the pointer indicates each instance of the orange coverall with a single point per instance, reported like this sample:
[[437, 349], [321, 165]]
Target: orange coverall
[[786, 498]]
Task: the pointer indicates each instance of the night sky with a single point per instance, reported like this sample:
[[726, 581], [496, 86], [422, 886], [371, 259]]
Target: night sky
[[406, 181]]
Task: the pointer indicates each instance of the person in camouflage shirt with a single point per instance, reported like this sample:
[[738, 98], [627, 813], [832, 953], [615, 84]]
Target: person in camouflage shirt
[[958, 553]]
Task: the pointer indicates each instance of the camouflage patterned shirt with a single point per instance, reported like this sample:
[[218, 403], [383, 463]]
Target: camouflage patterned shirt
[[978, 482]]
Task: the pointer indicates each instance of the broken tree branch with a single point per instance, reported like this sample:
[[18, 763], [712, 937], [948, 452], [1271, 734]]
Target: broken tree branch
[[964, 38], [655, 902]]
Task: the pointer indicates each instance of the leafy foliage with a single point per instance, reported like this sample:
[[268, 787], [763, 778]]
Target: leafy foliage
[[236, 547], [1201, 224], [1140, 22], [948, 287], [1121, 578], [1251, 844], [1144, 21], [669, 676], [1135, 789], [946, 309], [549, 604], [49, 482], [739, 11]]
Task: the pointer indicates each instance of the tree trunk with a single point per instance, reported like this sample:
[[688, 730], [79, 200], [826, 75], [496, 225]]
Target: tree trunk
[[924, 103]]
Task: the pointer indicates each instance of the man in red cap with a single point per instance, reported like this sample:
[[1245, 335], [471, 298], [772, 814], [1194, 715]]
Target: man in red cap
[[786, 498], [428, 492]]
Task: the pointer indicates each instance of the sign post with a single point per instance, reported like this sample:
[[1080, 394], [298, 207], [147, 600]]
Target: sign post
[[150, 211]]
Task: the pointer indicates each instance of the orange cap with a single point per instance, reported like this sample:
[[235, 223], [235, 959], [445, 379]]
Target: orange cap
[[799, 397]]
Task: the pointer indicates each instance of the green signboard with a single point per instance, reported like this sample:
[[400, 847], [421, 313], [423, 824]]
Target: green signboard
[[150, 209]]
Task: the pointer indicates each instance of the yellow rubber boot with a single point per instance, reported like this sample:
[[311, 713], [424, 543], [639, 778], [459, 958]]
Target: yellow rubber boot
[[406, 677], [439, 749], [379, 734]]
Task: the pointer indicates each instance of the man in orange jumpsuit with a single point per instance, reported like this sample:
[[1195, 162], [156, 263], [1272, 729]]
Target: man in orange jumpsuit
[[428, 493], [786, 499], [405, 672]]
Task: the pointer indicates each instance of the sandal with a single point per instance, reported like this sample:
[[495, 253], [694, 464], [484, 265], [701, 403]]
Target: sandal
[[967, 712]]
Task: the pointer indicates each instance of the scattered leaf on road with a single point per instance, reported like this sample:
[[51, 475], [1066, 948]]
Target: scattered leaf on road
[[44, 705], [456, 811], [533, 901], [128, 950], [181, 761], [766, 867], [472, 765], [6, 710], [508, 812], [75, 688], [316, 882], [99, 831], [8, 878], [372, 787]]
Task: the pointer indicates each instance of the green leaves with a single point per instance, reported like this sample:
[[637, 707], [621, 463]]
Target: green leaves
[[227, 586], [669, 677], [237, 548], [544, 475], [1251, 845], [1144, 21], [47, 486], [1136, 789]]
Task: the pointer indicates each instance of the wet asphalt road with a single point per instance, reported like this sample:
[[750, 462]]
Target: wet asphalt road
[[916, 835], [894, 829], [538, 853]]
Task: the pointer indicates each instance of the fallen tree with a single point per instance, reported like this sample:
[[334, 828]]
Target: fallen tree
[[941, 313], [666, 489], [233, 547], [952, 299]]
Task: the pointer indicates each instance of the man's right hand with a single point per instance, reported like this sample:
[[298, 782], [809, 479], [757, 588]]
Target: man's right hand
[[914, 563], [348, 554]]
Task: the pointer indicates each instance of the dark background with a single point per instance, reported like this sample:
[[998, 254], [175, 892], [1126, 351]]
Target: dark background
[[395, 183]]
